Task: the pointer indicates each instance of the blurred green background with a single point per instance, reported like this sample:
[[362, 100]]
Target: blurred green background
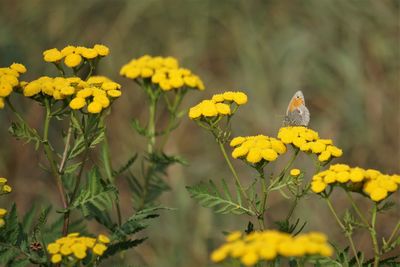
[[343, 55]]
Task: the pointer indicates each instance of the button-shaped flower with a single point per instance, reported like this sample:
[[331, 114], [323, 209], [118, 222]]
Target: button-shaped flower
[[255, 149]]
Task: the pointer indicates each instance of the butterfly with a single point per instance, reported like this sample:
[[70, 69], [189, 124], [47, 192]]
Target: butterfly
[[297, 113]]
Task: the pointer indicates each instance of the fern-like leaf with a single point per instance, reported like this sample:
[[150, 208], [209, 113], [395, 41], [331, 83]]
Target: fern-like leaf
[[209, 196]]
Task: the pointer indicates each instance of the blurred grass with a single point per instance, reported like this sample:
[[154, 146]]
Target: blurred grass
[[343, 54]]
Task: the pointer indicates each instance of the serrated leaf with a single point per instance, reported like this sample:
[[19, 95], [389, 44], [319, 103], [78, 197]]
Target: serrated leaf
[[126, 166], [121, 246], [97, 195], [209, 197], [135, 223], [21, 131], [138, 128]]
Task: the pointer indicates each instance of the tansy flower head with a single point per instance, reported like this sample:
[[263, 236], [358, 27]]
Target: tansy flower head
[[161, 71], [217, 106], [97, 93], [4, 187], [307, 140], [255, 149], [374, 184], [74, 248], [3, 212], [74, 55], [9, 80], [268, 245]]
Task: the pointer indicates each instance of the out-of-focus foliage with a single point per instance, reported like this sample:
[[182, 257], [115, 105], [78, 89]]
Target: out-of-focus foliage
[[344, 56]]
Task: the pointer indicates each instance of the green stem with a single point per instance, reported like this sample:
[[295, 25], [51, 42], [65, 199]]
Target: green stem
[[372, 232], [151, 127], [108, 168], [283, 172], [66, 148], [172, 116], [238, 183], [265, 194], [348, 235], [50, 158], [355, 207], [392, 235]]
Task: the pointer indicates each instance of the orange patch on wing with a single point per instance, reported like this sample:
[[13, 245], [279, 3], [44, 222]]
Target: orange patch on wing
[[297, 102]]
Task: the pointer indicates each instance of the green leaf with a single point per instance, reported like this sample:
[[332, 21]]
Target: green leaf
[[209, 196], [121, 246], [135, 223], [28, 218], [20, 130], [126, 166], [97, 195], [138, 128]]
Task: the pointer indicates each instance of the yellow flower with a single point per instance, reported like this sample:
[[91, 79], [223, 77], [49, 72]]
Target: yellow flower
[[5, 89], [52, 55], [67, 90], [1, 103], [318, 186], [77, 103], [103, 100], [67, 50], [257, 148], [240, 98], [56, 258], [79, 250], [269, 154], [163, 72], [219, 255], [249, 259], [237, 141], [65, 250], [103, 239], [3, 212], [102, 50], [18, 67], [269, 244], [218, 98], [72, 60], [114, 93], [378, 194], [295, 172], [94, 107], [99, 249], [89, 53], [324, 156], [223, 109], [7, 189], [53, 248]]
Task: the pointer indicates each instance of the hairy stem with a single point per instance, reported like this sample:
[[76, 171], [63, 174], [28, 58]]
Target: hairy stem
[[238, 183], [372, 232], [348, 235], [50, 157], [151, 127]]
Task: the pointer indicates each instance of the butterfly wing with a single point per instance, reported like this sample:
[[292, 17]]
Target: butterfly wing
[[297, 113]]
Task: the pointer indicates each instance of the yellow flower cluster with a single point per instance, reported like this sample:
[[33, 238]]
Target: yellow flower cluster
[[162, 71], [3, 212], [257, 148], [97, 92], [9, 79], [375, 184], [74, 247], [268, 245], [308, 140], [220, 104], [4, 187], [74, 55]]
